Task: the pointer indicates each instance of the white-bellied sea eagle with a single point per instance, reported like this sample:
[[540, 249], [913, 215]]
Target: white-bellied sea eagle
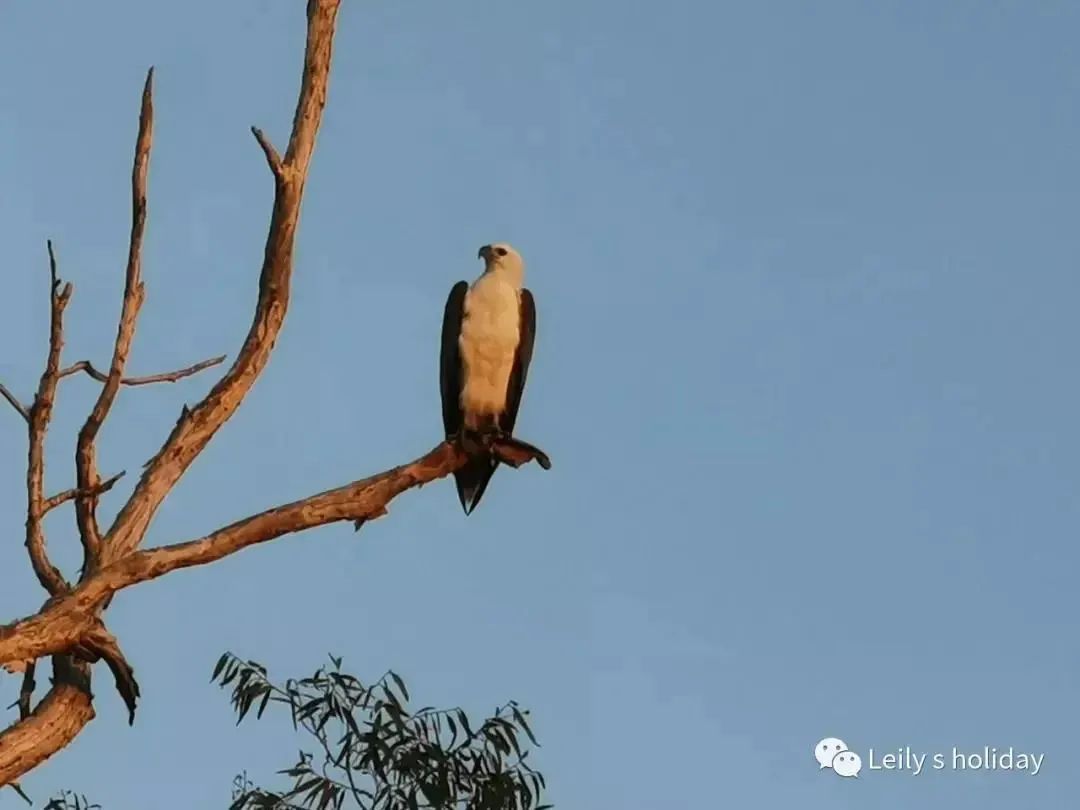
[[487, 344]]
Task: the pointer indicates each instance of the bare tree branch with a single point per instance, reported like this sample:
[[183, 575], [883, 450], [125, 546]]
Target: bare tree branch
[[72, 623], [11, 398], [360, 500], [101, 644], [69, 626], [56, 721], [168, 376], [197, 427], [86, 452], [70, 494], [64, 621], [40, 415], [273, 159]]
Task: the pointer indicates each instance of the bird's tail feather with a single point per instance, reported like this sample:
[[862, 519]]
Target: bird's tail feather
[[472, 480]]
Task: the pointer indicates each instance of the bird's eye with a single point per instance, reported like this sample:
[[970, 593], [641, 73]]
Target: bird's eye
[[500, 251]]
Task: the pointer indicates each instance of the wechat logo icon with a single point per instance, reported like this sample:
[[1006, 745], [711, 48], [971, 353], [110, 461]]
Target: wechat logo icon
[[832, 752]]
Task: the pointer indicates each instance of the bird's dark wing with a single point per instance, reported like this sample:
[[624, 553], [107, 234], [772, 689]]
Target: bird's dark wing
[[522, 358], [450, 372], [472, 479]]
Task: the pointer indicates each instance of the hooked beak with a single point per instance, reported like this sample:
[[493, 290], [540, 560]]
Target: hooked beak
[[484, 253]]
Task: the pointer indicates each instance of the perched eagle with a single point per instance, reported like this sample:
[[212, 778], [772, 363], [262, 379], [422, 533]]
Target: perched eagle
[[487, 343]]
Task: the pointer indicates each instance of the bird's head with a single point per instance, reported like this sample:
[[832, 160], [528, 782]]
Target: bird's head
[[500, 257]]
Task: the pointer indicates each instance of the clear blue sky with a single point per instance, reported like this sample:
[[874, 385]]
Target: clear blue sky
[[806, 367]]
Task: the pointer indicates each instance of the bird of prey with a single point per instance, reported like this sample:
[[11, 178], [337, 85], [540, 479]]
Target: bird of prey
[[487, 344]]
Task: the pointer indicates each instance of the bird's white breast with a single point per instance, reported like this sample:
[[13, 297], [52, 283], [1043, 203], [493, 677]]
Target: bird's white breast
[[490, 332]]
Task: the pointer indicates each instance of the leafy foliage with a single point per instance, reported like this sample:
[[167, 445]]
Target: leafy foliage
[[374, 754]]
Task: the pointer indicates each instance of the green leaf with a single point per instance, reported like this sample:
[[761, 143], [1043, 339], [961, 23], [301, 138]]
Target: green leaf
[[304, 786], [400, 684], [350, 721], [512, 737], [322, 722], [220, 665], [262, 705], [309, 708], [520, 717], [392, 699], [244, 699], [328, 792], [464, 722]]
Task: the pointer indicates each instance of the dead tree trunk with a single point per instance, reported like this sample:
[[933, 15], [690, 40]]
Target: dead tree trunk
[[69, 627]]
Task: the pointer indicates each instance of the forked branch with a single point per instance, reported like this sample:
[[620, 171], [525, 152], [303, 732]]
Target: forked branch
[[69, 625], [40, 414], [63, 622], [197, 426]]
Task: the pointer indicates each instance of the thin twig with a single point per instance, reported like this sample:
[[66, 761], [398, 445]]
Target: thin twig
[[26, 693], [40, 415], [10, 397], [87, 477], [70, 494], [272, 156], [165, 377]]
